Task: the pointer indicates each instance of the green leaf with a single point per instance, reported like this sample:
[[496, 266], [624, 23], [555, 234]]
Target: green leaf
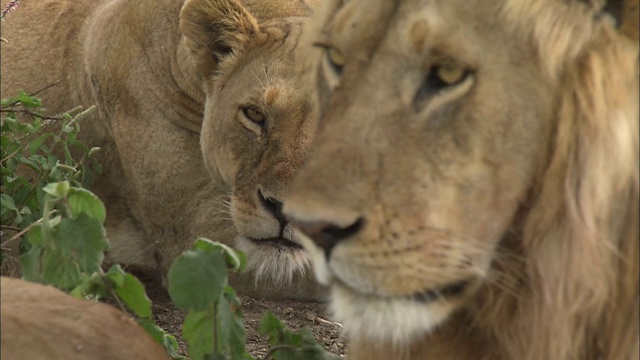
[[197, 331], [31, 163], [28, 100], [162, 337], [206, 245], [30, 264], [7, 202], [269, 324], [116, 274], [171, 345], [93, 286], [35, 235], [25, 246], [196, 279], [236, 259], [41, 161], [57, 190], [60, 270], [35, 144], [243, 261], [83, 240], [133, 294], [156, 332], [82, 200], [232, 337], [301, 344]]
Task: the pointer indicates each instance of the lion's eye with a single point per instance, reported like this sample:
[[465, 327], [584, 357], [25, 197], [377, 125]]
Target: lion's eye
[[252, 113], [444, 75], [449, 74], [336, 59], [439, 78]]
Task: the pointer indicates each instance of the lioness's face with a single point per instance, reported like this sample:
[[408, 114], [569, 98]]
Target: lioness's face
[[257, 127], [432, 116]]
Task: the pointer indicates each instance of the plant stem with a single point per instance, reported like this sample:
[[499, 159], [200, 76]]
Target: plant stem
[[5, 245], [10, 156], [114, 295], [9, 227], [278, 348], [31, 113]]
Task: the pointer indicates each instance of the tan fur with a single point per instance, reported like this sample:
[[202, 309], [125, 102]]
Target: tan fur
[[41, 322], [158, 72], [521, 180]]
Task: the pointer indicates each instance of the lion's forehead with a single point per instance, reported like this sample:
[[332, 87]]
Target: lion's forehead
[[505, 25], [427, 17]]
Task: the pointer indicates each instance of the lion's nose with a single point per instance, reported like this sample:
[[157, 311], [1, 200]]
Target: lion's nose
[[274, 207], [326, 234]]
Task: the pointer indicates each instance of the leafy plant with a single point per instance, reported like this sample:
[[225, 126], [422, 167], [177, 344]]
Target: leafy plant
[[29, 158], [291, 345], [213, 327], [67, 251]]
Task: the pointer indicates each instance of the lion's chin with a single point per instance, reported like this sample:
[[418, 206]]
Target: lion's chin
[[397, 320], [274, 260]]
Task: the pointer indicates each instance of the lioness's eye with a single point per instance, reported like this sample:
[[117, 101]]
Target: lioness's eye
[[252, 113], [336, 59]]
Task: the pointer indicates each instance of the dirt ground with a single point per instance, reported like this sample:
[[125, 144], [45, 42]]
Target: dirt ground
[[294, 314]]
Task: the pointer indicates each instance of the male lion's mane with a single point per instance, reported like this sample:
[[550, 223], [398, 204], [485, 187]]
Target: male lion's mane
[[568, 284], [579, 237]]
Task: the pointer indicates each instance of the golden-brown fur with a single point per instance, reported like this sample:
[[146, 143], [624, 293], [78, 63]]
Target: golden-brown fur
[[159, 72], [492, 217], [630, 22], [41, 322]]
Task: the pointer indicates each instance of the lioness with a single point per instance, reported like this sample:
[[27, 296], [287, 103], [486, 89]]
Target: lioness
[[472, 191], [41, 322], [200, 120]]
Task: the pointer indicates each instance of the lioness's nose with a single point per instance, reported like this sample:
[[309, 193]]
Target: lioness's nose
[[325, 234]]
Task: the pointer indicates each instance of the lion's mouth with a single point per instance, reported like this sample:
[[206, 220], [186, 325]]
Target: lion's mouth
[[447, 291], [278, 242], [427, 296]]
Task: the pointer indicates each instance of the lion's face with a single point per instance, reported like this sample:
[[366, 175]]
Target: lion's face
[[257, 127], [435, 121]]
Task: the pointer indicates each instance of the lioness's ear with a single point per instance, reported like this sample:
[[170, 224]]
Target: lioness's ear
[[215, 29]]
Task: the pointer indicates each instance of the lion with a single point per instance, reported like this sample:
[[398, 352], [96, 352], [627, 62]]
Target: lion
[[41, 322], [472, 188], [200, 120]]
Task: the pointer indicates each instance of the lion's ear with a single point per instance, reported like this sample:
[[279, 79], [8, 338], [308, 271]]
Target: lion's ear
[[626, 14], [630, 20], [214, 30]]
